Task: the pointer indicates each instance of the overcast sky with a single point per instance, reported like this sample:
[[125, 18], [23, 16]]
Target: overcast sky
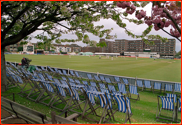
[[136, 29]]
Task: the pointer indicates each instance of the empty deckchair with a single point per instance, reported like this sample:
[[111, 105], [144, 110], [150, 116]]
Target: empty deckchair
[[147, 84], [140, 84], [72, 73], [113, 90], [37, 69], [102, 78], [178, 108], [97, 78], [105, 104], [168, 87], [177, 87], [122, 88], [65, 73], [93, 84], [77, 81], [133, 90], [117, 79], [85, 82], [102, 86], [49, 77], [157, 86], [59, 72], [167, 104], [125, 81], [70, 79], [89, 76], [51, 70], [77, 75], [43, 69], [64, 78], [124, 106], [172, 95], [108, 80]]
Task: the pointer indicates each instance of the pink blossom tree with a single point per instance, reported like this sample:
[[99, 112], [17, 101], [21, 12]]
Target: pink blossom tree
[[163, 14]]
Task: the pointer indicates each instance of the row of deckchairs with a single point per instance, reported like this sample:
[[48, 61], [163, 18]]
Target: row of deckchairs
[[52, 94], [169, 103]]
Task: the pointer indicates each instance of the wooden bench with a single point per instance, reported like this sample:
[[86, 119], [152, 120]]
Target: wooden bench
[[61, 120], [27, 114]]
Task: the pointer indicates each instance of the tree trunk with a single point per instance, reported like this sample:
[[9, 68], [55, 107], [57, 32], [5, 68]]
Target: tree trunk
[[3, 72]]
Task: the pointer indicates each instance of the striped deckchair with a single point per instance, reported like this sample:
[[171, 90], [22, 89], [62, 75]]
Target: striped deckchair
[[167, 104], [124, 106], [133, 90], [64, 78], [140, 84], [117, 79], [97, 78], [102, 86], [168, 87], [37, 69], [157, 86], [77, 75], [105, 104], [93, 84], [59, 72], [122, 88], [178, 109], [77, 81], [65, 73], [89, 76], [172, 95], [51, 70], [43, 69], [70, 79], [108, 80], [72, 73], [113, 90], [49, 77], [125, 81], [177, 87], [102, 78], [147, 84], [85, 82]]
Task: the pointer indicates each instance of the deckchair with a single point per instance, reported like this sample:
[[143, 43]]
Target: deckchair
[[117, 79], [133, 90], [43, 69], [178, 108], [85, 82], [147, 84], [124, 106], [102, 78], [157, 86], [70, 79], [102, 86], [72, 73], [122, 88], [140, 84], [97, 78], [113, 90], [108, 80], [89, 76], [59, 72], [167, 104], [172, 95], [177, 87], [49, 77], [93, 84], [168, 87], [65, 73], [91, 107], [77, 75], [37, 69], [64, 78], [125, 81], [77, 81]]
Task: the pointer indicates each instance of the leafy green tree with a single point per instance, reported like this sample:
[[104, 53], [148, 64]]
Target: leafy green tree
[[19, 19], [178, 53], [20, 48]]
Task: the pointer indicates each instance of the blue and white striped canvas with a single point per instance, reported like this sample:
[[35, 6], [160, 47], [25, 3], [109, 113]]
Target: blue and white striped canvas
[[102, 85], [106, 91], [59, 71], [139, 83], [167, 102], [117, 79], [71, 72], [91, 98], [133, 89], [63, 78], [89, 76], [19, 79], [172, 95], [64, 72], [75, 94], [85, 82], [157, 85], [77, 75], [63, 82], [77, 81], [93, 84], [147, 84], [177, 87], [122, 104], [43, 68], [102, 78], [49, 76], [50, 69], [179, 108], [107, 80], [168, 87], [103, 100], [111, 88], [96, 77], [122, 88], [61, 90], [125, 81], [71, 80]]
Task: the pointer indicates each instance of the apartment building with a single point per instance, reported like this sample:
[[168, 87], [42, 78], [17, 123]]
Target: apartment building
[[122, 45]]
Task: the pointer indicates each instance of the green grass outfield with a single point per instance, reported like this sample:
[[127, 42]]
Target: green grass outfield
[[159, 69]]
